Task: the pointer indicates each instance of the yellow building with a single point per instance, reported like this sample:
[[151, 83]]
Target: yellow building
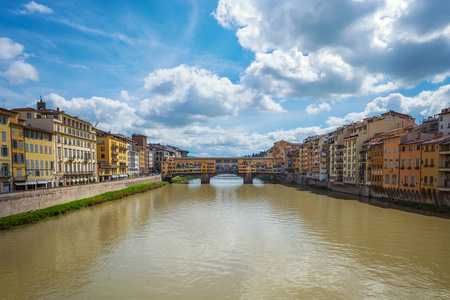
[[18, 152], [111, 155], [74, 143], [40, 158], [5, 157], [141, 160]]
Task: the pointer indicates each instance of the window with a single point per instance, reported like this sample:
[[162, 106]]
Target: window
[[21, 145], [410, 147], [3, 136], [45, 149], [14, 144], [36, 149], [394, 178], [14, 132], [403, 163], [413, 180], [5, 151], [417, 162], [425, 180], [386, 181], [410, 163], [49, 149], [431, 179], [20, 132], [406, 180], [42, 149], [432, 162]]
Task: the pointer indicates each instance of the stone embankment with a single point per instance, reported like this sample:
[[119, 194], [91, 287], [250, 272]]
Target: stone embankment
[[24, 201]]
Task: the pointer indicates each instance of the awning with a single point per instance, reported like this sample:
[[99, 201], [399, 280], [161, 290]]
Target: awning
[[42, 181], [20, 183], [78, 180], [31, 181]]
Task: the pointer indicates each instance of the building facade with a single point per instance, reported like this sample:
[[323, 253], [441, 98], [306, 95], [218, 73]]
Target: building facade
[[74, 140]]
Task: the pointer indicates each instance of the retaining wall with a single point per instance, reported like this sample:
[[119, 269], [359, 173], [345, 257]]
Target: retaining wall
[[24, 201]]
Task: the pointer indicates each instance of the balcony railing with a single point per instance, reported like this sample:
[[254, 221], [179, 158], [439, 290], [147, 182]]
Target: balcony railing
[[79, 172], [5, 174]]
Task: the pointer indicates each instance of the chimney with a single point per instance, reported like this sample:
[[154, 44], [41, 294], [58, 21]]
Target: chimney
[[57, 109]]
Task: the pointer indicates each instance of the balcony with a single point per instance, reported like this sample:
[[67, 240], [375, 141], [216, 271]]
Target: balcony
[[5, 174], [444, 188], [78, 172], [114, 146], [114, 153]]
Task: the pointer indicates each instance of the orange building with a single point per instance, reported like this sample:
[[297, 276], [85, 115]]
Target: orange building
[[375, 160], [429, 170], [410, 156], [391, 158]]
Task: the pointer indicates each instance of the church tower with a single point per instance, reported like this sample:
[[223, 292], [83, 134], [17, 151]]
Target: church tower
[[41, 105]]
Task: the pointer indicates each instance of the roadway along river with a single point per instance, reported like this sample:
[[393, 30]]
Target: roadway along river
[[227, 240]]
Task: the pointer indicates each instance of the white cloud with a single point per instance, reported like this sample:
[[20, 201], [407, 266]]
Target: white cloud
[[344, 48], [294, 74], [105, 111], [20, 72], [426, 103], [317, 108], [185, 95], [207, 141], [9, 49], [77, 66], [125, 96], [33, 7]]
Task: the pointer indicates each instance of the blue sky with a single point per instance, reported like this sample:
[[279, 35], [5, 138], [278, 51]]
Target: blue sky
[[226, 77]]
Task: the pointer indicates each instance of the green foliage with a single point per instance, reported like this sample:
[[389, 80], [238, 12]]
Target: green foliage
[[34, 216], [178, 179]]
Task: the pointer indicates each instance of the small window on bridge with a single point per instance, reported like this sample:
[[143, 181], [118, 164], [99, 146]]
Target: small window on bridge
[[234, 161], [218, 161], [226, 161]]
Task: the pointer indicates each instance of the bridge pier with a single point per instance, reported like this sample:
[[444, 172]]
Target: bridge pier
[[205, 178], [248, 178]]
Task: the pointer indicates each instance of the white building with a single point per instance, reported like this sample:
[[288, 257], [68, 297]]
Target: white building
[[444, 121]]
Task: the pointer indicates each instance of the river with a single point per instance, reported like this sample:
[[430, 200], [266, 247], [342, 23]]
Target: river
[[227, 240]]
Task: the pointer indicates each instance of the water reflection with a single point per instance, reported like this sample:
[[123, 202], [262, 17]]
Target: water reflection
[[228, 240]]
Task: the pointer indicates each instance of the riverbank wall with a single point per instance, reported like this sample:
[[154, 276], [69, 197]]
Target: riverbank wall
[[20, 202], [437, 199]]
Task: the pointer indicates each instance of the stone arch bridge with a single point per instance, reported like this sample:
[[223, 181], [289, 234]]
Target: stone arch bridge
[[206, 168]]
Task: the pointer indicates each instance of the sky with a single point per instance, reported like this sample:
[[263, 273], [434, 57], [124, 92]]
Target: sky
[[227, 77]]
